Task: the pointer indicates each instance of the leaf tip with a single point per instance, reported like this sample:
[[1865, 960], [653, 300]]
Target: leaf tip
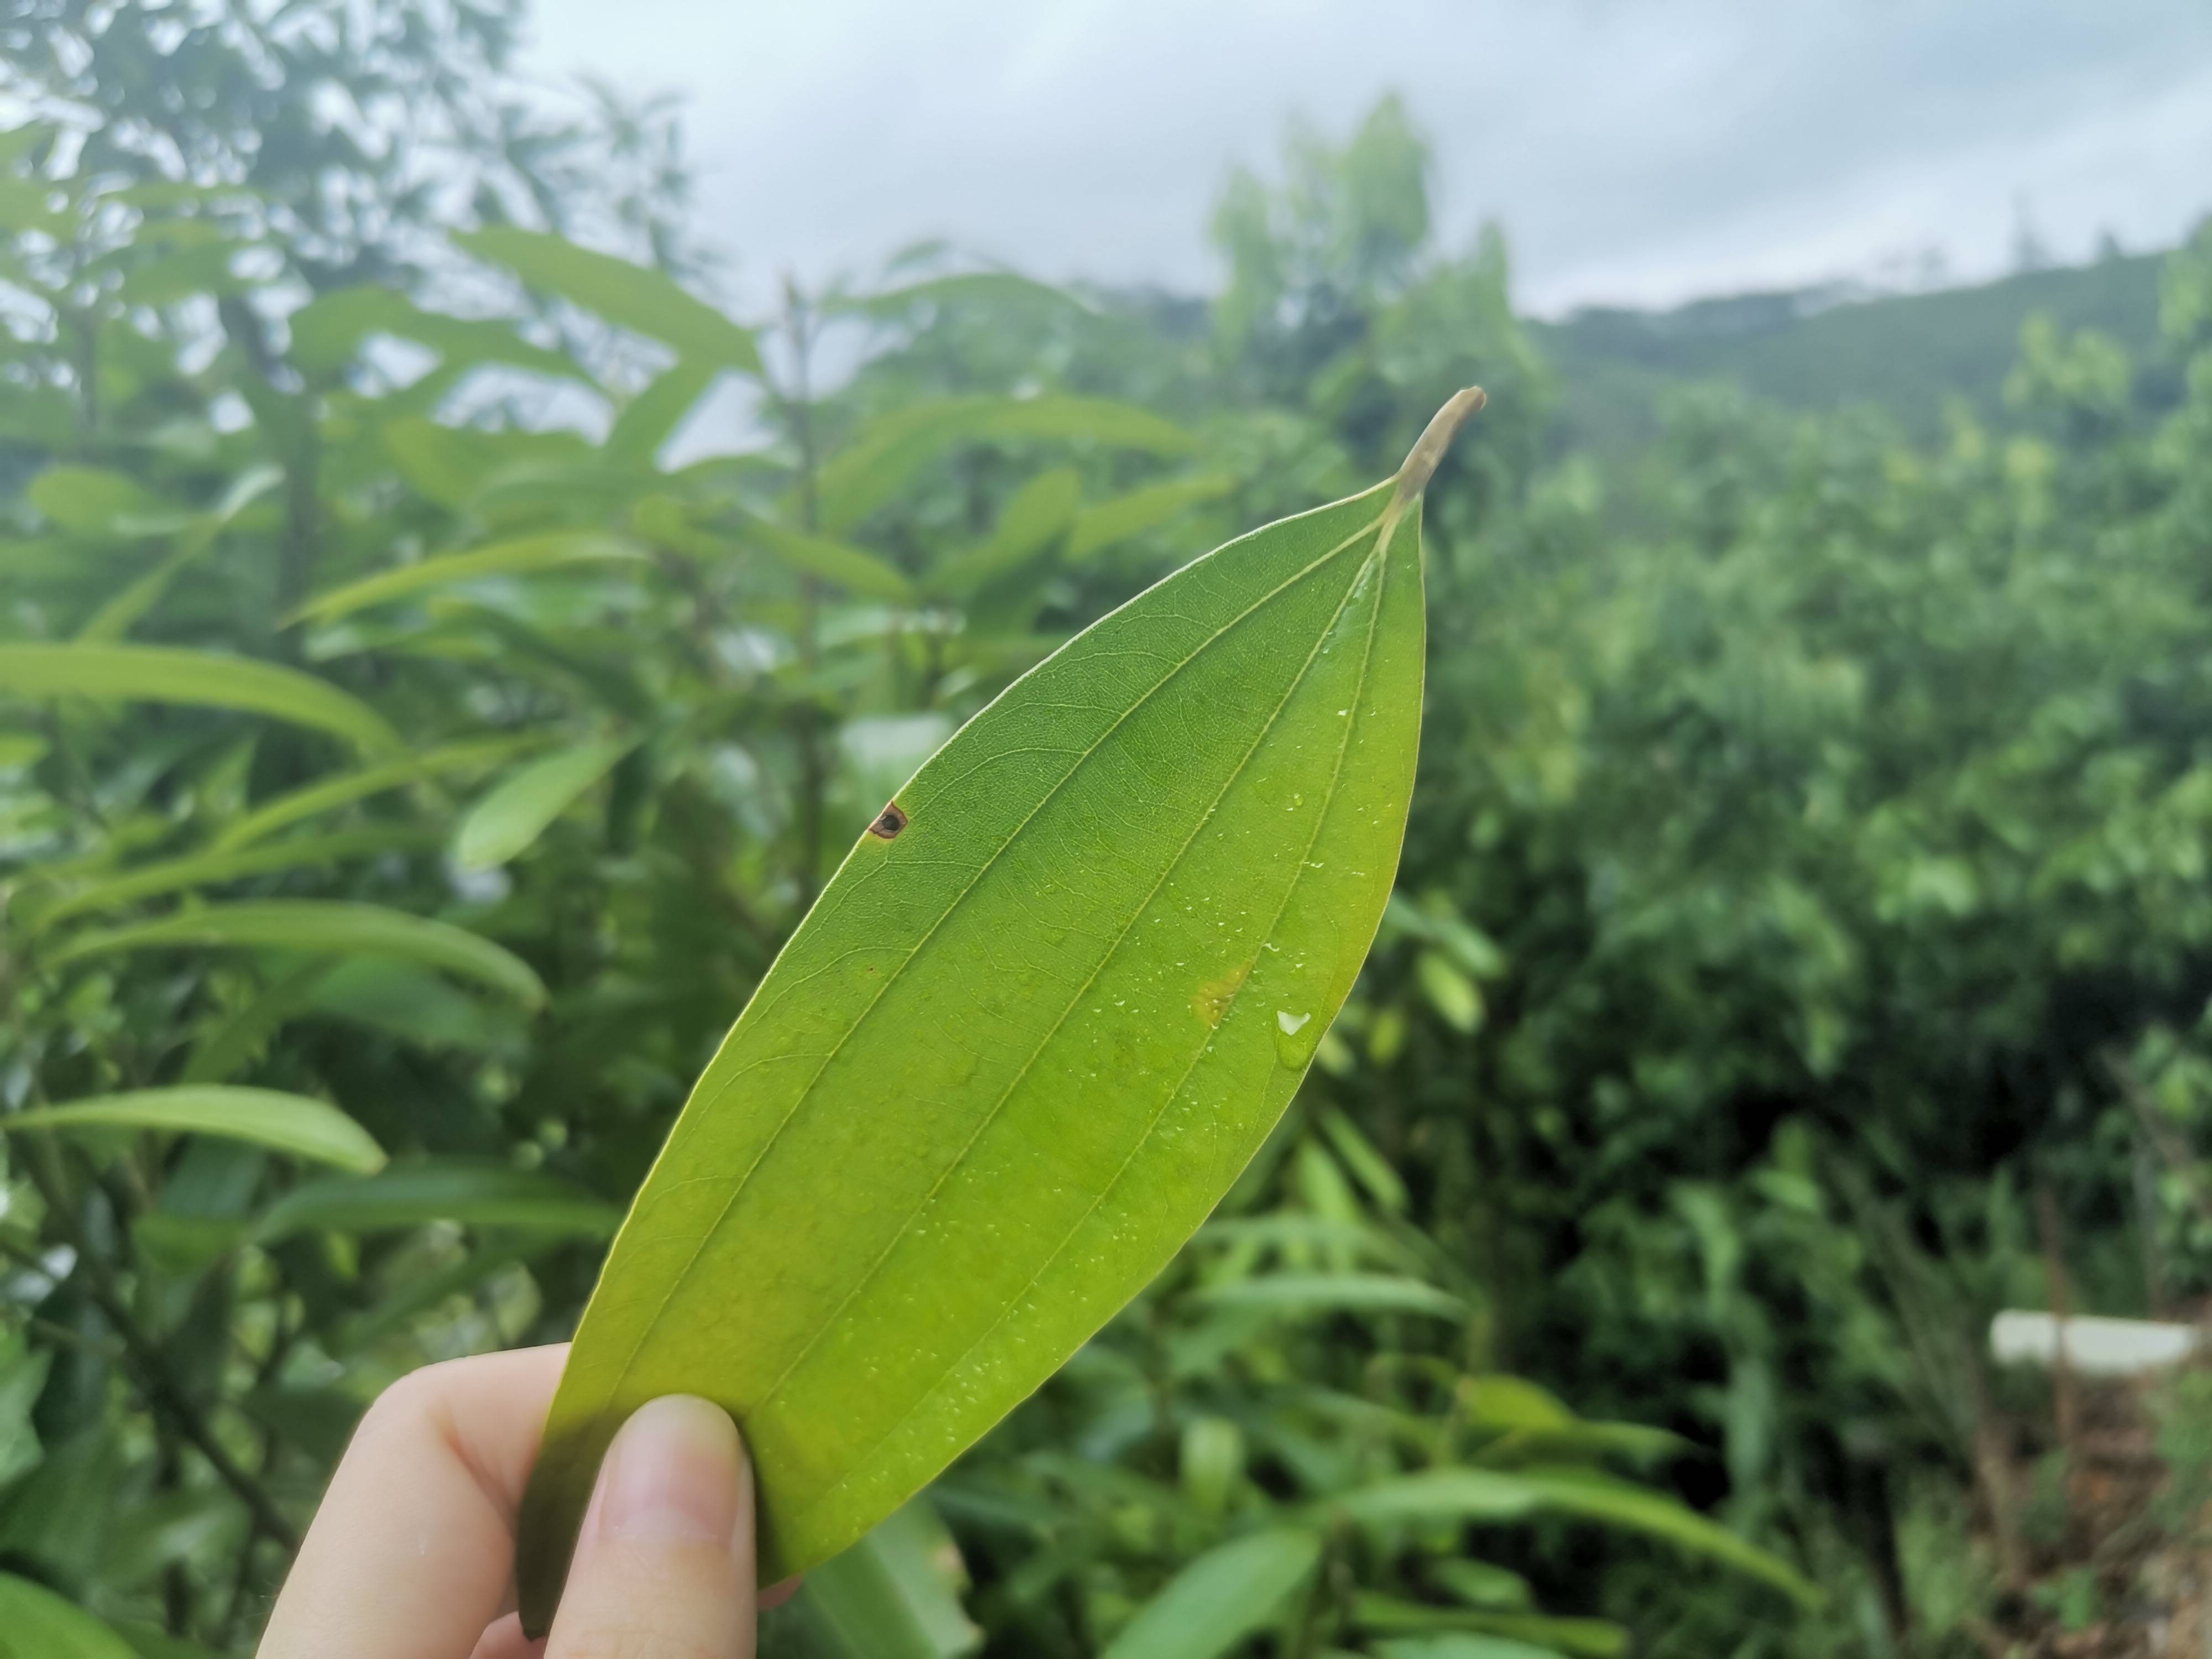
[[1420, 464]]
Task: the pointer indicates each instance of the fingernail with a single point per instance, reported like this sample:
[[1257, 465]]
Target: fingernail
[[673, 1472]]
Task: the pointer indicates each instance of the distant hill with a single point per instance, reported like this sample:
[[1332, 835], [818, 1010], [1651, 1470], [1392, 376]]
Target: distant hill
[[1910, 354]]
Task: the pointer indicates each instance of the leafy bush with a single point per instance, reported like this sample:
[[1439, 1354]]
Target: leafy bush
[[420, 743]]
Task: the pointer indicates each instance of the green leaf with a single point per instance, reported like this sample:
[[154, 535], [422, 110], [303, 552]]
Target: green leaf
[[328, 794], [1050, 1007], [649, 420], [888, 452], [1297, 1293], [1450, 992], [95, 500], [329, 329], [895, 1595], [1290, 1229], [474, 1194], [1124, 516], [1359, 1155], [1435, 920], [850, 567], [37, 1624], [1522, 1632], [1436, 1495], [149, 1643], [1211, 1461], [153, 673], [453, 465], [184, 273], [120, 614], [523, 556], [207, 869], [1479, 1584], [234, 1042], [22, 1378], [1594, 1497], [1511, 1402], [18, 749], [1461, 1644], [414, 1007], [517, 809], [1039, 513], [1224, 1596], [643, 300], [332, 927], [297, 1124], [997, 289], [27, 204]]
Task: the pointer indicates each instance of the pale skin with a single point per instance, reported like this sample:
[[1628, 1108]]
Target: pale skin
[[412, 1554]]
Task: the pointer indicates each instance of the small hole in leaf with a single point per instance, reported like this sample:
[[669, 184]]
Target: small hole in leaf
[[889, 823]]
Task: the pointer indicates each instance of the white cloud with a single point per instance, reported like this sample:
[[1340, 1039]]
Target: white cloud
[[1639, 151]]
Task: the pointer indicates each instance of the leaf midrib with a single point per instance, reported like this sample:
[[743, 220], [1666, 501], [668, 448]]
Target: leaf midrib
[[676, 1282]]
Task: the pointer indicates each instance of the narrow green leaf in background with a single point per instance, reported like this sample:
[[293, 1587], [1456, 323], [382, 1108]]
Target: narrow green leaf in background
[[153, 673], [1448, 991], [525, 556], [327, 794], [452, 465], [1221, 1598], [1102, 523], [1461, 1644], [852, 568], [1592, 1496], [889, 451], [1442, 1629], [1298, 1293], [997, 289], [1497, 1495], [516, 810], [474, 1194], [120, 614], [1037, 515], [334, 926], [653, 418], [895, 1595], [1479, 1584], [98, 500], [1436, 1495], [37, 1624], [298, 1124], [207, 869], [1046, 1011], [329, 329], [643, 300]]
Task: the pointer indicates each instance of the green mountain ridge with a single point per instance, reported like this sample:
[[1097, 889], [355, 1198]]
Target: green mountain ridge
[[1912, 355]]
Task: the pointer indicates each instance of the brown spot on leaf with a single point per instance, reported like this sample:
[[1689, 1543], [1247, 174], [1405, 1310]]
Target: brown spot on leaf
[[889, 823], [1212, 998]]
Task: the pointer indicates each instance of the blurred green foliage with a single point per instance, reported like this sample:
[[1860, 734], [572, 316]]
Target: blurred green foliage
[[1801, 945]]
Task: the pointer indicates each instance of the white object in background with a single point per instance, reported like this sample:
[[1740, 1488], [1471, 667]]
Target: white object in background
[[2095, 1347]]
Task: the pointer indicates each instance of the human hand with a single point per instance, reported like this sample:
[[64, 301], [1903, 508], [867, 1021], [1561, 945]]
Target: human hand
[[412, 1554]]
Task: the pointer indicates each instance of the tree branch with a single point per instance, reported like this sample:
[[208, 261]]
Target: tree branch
[[155, 1380]]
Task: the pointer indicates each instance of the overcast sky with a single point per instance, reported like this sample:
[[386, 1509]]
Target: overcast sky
[[1638, 151]]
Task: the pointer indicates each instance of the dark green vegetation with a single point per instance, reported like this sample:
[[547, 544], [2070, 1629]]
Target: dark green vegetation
[[1915, 357], [1800, 952]]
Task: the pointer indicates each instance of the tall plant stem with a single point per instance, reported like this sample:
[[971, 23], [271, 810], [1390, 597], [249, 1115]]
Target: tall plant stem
[[813, 764]]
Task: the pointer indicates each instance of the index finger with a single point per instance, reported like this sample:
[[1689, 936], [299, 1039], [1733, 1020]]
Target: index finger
[[411, 1554]]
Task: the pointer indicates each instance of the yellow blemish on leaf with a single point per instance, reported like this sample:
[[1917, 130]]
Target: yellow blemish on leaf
[[1212, 998]]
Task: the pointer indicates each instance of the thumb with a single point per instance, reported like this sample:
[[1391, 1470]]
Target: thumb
[[665, 1564]]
